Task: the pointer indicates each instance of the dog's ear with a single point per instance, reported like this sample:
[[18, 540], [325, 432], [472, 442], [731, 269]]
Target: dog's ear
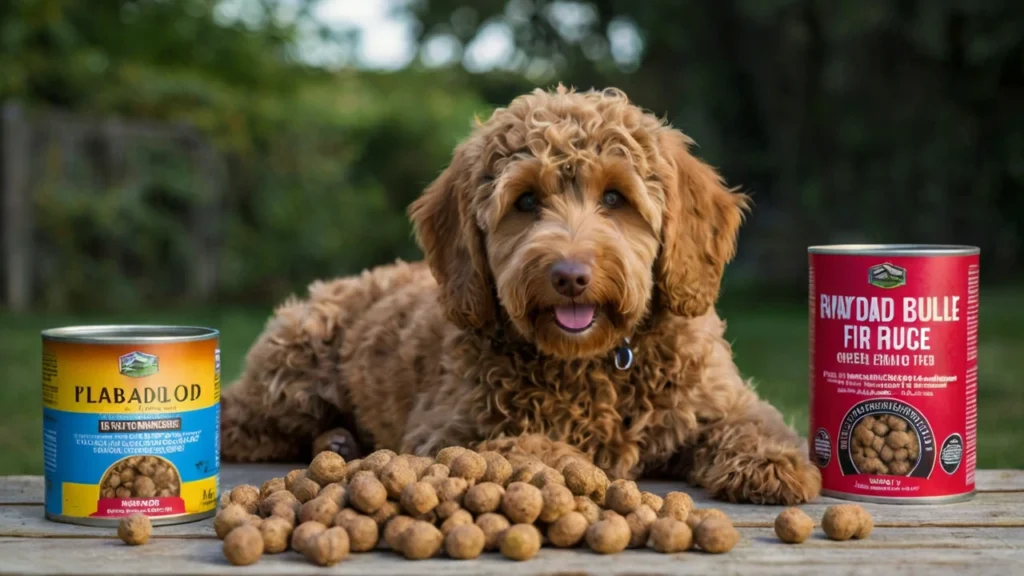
[[453, 244], [699, 229]]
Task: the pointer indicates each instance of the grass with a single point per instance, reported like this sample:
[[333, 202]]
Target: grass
[[769, 339]]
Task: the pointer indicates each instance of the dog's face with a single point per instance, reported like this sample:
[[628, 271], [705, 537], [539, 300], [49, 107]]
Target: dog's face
[[575, 214]]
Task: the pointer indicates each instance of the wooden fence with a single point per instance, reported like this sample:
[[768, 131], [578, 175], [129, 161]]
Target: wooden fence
[[31, 135]]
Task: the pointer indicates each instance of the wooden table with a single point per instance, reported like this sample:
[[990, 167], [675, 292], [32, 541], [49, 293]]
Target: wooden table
[[985, 535]]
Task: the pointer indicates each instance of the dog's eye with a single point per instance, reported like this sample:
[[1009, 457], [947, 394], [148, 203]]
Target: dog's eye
[[527, 202], [612, 199]]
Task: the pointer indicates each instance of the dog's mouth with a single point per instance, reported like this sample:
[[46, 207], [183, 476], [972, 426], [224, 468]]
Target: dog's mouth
[[575, 318]]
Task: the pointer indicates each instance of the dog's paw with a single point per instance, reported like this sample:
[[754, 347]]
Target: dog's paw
[[340, 441], [778, 476]]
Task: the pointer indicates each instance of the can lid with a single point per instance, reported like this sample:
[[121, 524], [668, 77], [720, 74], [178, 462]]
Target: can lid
[[130, 334], [895, 249]]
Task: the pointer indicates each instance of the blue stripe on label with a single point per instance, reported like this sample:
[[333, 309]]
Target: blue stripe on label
[[81, 447]]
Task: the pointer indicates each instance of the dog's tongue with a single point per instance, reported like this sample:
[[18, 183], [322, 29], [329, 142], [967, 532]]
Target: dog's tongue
[[574, 316]]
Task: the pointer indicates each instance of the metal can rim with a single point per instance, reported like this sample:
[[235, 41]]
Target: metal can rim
[[895, 249], [130, 334]]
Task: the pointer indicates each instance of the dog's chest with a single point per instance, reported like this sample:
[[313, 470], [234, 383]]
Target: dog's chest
[[592, 405]]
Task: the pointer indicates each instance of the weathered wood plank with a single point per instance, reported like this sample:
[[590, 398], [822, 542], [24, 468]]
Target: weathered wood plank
[[27, 490], [986, 510], [931, 551]]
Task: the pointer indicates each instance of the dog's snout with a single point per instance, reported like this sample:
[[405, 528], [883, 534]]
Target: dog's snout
[[570, 278]]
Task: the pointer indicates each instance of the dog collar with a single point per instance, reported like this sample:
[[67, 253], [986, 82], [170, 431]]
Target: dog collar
[[624, 355]]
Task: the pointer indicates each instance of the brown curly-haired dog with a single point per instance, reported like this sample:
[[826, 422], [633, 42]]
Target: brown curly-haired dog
[[569, 228]]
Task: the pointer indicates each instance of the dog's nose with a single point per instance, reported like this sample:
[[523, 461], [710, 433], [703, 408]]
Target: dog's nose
[[570, 278]]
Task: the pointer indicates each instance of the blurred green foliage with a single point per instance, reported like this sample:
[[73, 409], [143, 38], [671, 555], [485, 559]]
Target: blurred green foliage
[[315, 167]]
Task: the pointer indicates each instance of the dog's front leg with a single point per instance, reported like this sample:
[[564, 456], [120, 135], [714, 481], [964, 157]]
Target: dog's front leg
[[749, 454]]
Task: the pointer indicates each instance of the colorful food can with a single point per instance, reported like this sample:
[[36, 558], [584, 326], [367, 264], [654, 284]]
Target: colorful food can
[[893, 336], [131, 423]]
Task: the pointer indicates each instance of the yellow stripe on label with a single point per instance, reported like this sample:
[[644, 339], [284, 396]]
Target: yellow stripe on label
[[80, 499], [200, 496], [116, 378]]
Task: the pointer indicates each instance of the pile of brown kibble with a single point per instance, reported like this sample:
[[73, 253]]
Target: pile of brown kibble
[[463, 503]]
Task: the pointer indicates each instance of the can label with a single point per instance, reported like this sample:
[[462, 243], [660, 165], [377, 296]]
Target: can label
[[131, 428], [893, 374]]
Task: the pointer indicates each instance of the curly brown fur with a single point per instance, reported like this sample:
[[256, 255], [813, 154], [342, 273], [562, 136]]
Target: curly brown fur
[[470, 347]]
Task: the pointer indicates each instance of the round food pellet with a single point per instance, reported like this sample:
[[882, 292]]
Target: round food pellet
[[558, 501], [609, 536], [677, 505], [446, 509], [351, 468], [452, 489], [483, 498], [522, 503], [640, 521], [525, 471], [547, 476], [623, 496], [419, 464], [498, 470], [281, 497], [396, 475], [376, 461], [271, 486], [366, 494], [285, 512], [716, 536], [468, 465], [579, 478], [419, 498], [464, 542], [275, 533], [493, 525], [304, 533], [589, 510], [335, 492], [669, 536], [328, 547], [318, 509], [229, 518], [243, 545], [305, 489], [793, 526], [701, 514], [135, 529], [326, 468], [568, 530], [292, 476], [421, 540], [520, 542], [842, 521], [449, 454], [438, 471], [652, 501], [247, 497], [394, 528], [457, 519], [363, 532], [344, 515]]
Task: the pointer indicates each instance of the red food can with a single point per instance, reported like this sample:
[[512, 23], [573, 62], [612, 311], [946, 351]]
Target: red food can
[[894, 371]]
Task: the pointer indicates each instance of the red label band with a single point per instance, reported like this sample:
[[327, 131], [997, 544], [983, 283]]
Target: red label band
[[116, 507], [893, 374]]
